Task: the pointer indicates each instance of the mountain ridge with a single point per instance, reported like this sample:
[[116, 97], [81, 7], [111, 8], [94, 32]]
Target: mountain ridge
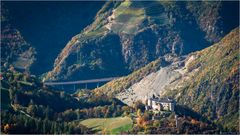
[[156, 32], [206, 81]]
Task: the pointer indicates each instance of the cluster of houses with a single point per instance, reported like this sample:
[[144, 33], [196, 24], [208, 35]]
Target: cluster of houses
[[159, 104]]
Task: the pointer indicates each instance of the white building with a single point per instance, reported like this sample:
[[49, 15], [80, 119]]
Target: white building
[[157, 104]]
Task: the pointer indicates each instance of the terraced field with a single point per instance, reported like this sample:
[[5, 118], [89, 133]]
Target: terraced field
[[109, 125], [128, 16], [126, 19]]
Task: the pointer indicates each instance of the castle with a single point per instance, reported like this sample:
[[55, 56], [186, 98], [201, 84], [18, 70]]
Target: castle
[[159, 104]]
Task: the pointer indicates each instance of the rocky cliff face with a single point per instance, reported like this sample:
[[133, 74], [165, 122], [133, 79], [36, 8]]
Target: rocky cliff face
[[15, 50], [206, 81], [131, 34]]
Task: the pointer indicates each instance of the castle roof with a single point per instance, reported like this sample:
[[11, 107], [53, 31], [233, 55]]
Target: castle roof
[[162, 100]]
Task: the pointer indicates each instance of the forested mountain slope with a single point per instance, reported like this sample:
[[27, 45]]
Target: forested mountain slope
[[15, 50], [128, 35], [47, 26], [27, 106], [206, 81]]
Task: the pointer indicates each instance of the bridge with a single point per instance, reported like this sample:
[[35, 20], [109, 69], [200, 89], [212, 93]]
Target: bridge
[[80, 82]]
